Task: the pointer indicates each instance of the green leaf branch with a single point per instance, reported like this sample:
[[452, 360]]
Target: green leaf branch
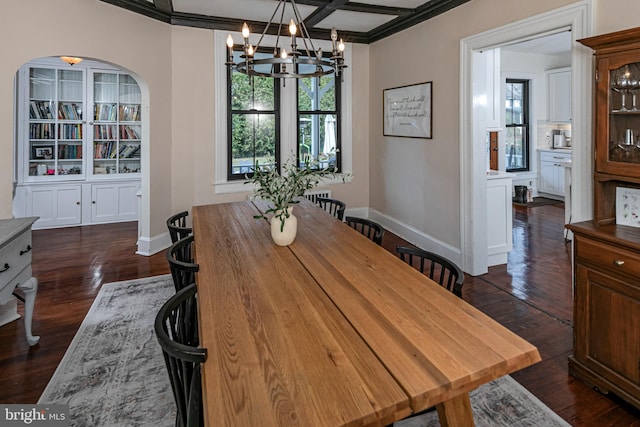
[[284, 190]]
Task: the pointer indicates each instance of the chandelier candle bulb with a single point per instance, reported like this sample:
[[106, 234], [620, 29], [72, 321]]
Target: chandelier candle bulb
[[230, 46]]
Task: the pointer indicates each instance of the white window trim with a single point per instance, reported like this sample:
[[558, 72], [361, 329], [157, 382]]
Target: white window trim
[[287, 114]]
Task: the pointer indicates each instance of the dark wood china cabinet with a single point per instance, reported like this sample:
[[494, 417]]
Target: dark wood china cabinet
[[606, 250]]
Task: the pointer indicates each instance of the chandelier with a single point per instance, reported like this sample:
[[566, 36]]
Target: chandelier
[[287, 63]]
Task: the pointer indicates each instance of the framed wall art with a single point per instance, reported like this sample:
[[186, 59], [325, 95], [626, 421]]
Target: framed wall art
[[407, 111]]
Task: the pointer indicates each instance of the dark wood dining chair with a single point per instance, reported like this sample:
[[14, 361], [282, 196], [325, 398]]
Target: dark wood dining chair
[[177, 225], [333, 206], [437, 267], [181, 263], [176, 328], [366, 227]]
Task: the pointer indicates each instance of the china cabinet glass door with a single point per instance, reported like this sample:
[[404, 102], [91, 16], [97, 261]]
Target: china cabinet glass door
[[618, 138], [56, 129], [116, 124]]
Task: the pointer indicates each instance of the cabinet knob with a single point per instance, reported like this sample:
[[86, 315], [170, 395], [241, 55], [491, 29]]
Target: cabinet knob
[[6, 267], [77, 203], [618, 263], [94, 202]]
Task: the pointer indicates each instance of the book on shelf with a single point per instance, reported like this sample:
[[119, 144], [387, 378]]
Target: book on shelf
[[40, 110], [104, 112], [69, 111], [41, 131], [129, 113], [129, 132]]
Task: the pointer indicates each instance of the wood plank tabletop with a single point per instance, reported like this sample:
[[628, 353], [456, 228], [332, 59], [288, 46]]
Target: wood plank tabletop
[[437, 346], [280, 353]]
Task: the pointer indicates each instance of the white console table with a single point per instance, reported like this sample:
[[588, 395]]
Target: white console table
[[15, 269]]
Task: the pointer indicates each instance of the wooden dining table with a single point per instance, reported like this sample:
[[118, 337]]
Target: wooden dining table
[[332, 330]]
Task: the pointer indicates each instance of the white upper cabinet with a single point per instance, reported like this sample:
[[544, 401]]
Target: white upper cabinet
[[560, 95]]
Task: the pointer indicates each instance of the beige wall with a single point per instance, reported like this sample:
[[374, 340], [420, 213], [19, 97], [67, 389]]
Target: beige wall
[[615, 15], [178, 67], [417, 182]]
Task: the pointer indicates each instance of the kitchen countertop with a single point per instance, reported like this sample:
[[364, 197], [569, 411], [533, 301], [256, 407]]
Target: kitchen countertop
[[556, 150], [493, 174]]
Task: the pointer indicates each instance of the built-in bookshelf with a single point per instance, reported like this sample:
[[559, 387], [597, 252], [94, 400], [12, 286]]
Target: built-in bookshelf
[[78, 145], [116, 124], [55, 123]]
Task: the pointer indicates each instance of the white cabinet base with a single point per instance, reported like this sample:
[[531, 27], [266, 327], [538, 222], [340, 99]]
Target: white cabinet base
[[70, 204], [499, 218], [9, 311], [15, 271]]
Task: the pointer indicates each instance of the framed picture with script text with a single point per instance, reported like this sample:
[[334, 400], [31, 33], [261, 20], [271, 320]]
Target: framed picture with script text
[[407, 111]]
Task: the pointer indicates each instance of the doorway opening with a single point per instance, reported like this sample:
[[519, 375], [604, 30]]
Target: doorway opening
[[473, 125]]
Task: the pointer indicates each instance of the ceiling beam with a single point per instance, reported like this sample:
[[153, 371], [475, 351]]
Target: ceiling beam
[[362, 7], [426, 11], [165, 6], [143, 8], [322, 12]]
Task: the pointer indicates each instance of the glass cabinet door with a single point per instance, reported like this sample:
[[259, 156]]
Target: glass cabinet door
[[56, 98], [618, 136], [116, 124]]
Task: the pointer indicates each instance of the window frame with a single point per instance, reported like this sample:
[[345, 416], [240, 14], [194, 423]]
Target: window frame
[[526, 109], [277, 106], [337, 111]]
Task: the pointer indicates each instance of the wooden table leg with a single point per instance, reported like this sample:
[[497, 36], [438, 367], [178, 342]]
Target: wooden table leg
[[456, 412]]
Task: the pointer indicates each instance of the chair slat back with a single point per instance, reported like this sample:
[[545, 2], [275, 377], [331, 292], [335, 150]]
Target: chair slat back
[[177, 225], [333, 206], [440, 269], [176, 327], [181, 263], [366, 227]]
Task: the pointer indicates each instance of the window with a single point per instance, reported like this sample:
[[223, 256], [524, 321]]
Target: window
[[254, 120], [517, 124], [319, 120]]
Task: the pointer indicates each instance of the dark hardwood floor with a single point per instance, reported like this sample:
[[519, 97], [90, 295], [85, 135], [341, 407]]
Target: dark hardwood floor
[[531, 295]]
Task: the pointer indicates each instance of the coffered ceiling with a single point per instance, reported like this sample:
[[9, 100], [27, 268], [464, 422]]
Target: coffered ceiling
[[363, 21]]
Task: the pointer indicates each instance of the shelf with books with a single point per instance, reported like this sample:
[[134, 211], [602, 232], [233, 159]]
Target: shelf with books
[[54, 127], [116, 124]]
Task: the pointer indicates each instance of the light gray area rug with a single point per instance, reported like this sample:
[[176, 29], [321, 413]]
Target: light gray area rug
[[113, 373]]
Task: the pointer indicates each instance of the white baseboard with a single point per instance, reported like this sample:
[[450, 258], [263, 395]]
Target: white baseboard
[[149, 246], [414, 236]]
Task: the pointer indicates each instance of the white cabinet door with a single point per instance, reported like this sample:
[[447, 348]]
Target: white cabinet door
[[499, 220], [560, 95], [56, 206], [551, 179], [547, 182], [114, 202]]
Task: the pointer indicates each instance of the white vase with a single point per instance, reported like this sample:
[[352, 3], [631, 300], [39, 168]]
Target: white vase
[[286, 235]]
